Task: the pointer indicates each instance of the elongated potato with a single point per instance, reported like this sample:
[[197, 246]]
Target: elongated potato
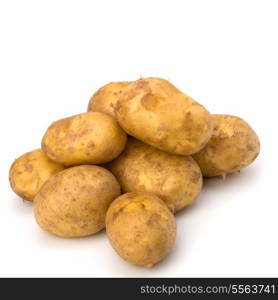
[[140, 228], [105, 99], [234, 145], [157, 113], [74, 202], [175, 179], [88, 138], [30, 171]]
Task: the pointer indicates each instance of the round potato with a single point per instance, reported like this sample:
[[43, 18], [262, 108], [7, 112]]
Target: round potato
[[175, 179], [105, 99], [74, 202], [88, 138], [157, 113], [140, 228], [30, 171], [234, 145]]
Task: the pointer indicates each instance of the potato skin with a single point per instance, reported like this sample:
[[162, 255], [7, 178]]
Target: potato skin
[[234, 145], [74, 202], [157, 113], [105, 99], [140, 228], [88, 138], [173, 178], [30, 171]]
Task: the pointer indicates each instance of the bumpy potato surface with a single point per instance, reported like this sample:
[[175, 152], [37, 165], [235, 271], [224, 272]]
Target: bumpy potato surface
[[74, 202], [30, 171], [88, 138], [157, 113], [234, 145], [140, 228], [105, 99], [175, 179]]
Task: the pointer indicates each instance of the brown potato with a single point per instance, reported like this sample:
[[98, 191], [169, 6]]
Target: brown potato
[[30, 171], [157, 113], [74, 202], [233, 146], [105, 99], [140, 228], [88, 138], [175, 179]]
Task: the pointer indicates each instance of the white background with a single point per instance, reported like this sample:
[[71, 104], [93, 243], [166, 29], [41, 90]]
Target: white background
[[55, 54]]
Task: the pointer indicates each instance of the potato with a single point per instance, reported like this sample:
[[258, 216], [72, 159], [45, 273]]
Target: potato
[[175, 179], [88, 138], [157, 113], [30, 171], [105, 99], [74, 202], [140, 228], [233, 146]]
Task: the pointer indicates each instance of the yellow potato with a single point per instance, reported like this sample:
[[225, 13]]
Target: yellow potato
[[74, 202], [140, 228], [105, 99], [88, 138], [157, 113], [175, 179], [30, 171], [233, 146]]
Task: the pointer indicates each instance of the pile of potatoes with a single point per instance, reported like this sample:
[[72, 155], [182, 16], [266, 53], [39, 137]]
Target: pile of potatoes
[[134, 159]]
